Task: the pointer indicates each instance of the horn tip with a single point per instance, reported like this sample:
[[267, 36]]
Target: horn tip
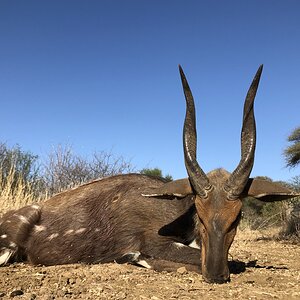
[[180, 70]]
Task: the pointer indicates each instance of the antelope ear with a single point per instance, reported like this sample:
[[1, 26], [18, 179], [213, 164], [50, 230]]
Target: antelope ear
[[178, 188], [268, 191]]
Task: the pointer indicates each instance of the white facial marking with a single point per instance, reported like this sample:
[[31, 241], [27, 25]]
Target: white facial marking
[[179, 245], [194, 244], [5, 256], [144, 264], [3, 236], [80, 230], [70, 231], [39, 228], [52, 236]]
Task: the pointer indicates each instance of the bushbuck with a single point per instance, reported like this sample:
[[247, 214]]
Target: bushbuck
[[142, 219]]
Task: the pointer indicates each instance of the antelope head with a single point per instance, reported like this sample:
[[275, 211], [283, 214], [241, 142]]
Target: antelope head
[[219, 194]]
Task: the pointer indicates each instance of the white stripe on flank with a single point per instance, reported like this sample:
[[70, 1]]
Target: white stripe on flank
[[70, 231], [52, 236], [23, 219], [39, 228], [80, 230]]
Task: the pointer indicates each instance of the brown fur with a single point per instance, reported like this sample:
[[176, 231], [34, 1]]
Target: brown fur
[[103, 220], [108, 219]]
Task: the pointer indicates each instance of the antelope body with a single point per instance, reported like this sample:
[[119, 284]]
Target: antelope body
[[144, 220]]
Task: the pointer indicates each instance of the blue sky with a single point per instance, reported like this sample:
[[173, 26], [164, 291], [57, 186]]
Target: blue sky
[[103, 75]]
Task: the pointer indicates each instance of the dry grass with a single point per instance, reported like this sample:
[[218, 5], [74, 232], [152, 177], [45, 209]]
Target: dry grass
[[14, 193]]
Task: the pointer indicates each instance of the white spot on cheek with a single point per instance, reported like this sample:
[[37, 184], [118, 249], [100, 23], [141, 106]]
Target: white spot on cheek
[[80, 230], [3, 236], [52, 236], [39, 228]]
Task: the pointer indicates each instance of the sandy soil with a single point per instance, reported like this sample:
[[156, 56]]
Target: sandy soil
[[272, 272]]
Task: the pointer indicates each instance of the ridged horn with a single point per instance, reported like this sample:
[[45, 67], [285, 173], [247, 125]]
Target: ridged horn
[[197, 177], [239, 177]]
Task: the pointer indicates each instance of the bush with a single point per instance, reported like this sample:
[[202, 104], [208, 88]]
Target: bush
[[260, 215], [24, 179], [291, 214], [64, 169], [284, 214], [157, 173], [19, 179]]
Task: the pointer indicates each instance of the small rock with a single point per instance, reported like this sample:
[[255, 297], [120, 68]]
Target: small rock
[[71, 281], [182, 270], [16, 293], [60, 293], [191, 280], [121, 295]]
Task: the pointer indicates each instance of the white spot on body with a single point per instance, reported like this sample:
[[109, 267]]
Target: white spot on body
[[12, 245], [194, 244], [68, 232], [35, 206], [97, 229], [3, 236], [52, 236], [23, 219], [179, 245], [80, 230], [39, 228]]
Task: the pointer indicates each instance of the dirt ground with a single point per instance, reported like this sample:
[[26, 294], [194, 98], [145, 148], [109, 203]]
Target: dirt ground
[[272, 272]]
